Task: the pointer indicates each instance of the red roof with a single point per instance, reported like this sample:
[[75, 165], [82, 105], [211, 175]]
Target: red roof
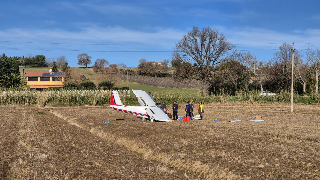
[[30, 74]]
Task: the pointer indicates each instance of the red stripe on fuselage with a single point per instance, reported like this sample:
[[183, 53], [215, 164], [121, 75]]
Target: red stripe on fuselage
[[126, 111]]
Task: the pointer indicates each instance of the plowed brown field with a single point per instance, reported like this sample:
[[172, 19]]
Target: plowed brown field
[[75, 143]]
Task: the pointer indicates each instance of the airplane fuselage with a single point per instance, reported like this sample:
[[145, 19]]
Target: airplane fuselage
[[139, 111]]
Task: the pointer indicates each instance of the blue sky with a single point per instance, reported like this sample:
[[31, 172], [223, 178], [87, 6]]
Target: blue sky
[[126, 31]]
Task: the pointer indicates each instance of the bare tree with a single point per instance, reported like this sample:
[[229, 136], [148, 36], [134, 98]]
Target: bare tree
[[249, 60], [261, 74], [314, 60], [61, 61], [281, 66], [99, 65], [122, 65], [301, 74], [113, 69], [142, 61], [49, 61], [205, 48], [166, 62], [84, 59]]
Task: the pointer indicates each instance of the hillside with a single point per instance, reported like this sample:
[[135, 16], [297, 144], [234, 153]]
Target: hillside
[[96, 78]]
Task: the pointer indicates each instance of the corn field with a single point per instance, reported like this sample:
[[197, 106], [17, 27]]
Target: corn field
[[102, 97], [61, 97]]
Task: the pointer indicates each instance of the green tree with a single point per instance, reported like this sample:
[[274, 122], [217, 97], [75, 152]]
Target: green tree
[[65, 68], [54, 67], [70, 85], [230, 77], [87, 84], [106, 84], [182, 70], [40, 60], [9, 72], [29, 61]]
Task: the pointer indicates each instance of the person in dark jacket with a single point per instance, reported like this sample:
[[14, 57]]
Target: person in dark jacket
[[164, 107], [191, 110], [175, 110], [188, 109]]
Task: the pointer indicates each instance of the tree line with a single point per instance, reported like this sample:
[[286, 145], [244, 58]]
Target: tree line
[[207, 56]]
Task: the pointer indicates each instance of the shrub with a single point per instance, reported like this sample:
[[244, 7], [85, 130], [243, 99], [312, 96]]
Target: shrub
[[106, 84], [87, 85], [70, 85]]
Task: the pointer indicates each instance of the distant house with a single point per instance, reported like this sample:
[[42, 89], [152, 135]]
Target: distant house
[[43, 80], [156, 63]]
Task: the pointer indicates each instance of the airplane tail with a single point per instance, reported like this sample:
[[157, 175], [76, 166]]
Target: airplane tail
[[115, 98]]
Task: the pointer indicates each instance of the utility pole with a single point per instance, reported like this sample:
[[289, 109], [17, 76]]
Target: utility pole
[[127, 78], [128, 91], [292, 77]]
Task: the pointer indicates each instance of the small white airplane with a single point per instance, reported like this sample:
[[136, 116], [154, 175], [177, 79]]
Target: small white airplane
[[148, 109]]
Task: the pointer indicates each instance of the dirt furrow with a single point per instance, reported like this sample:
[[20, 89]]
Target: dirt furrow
[[48, 147], [89, 143], [190, 167], [8, 141], [240, 148]]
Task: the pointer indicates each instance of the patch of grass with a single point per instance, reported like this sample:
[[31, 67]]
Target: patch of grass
[[152, 89], [41, 113], [33, 69], [305, 100]]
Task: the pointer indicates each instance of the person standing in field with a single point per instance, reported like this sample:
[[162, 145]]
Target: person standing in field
[[188, 112], [191, 110], [175, 110], [164, 107], [200, 110]]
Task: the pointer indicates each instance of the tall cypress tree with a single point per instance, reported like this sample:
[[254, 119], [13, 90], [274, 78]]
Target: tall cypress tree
[[9, 72], [54, 67]]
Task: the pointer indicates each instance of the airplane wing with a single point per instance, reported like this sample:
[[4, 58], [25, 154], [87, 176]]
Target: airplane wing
[[143, 98]]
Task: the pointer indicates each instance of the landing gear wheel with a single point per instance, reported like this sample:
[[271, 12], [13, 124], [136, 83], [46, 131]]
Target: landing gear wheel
[[152, 119]]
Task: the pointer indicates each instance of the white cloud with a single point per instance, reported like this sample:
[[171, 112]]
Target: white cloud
[[315, 18], [104, 8], [161, 38], [70, 6], [154, 39], [265, 39], [115, 8]]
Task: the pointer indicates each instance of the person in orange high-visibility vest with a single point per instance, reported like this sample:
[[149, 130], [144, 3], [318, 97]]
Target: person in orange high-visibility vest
[[200, 110]]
